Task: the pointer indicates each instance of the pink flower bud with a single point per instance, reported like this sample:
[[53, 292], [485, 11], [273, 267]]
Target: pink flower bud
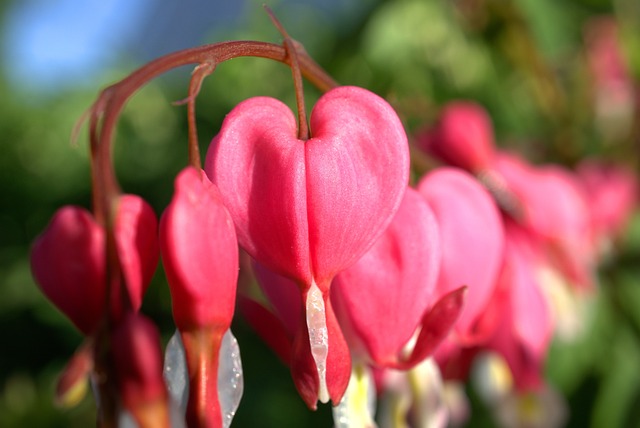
[[472, 242], [200, 257], [463, 137], [199, 254], [137, 356], [68, 263]]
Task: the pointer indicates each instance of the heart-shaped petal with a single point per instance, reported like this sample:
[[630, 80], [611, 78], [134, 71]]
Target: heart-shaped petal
[[69, 265], [397, 275], [309, 209]]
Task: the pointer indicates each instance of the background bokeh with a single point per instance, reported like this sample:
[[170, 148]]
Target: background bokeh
[[524, 60]]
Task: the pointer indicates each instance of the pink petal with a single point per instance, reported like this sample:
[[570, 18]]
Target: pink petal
[[68, 263], [199, 253], [554, 208], [436, 325], [136, 231], [338, 364], [463, 137], [397, 275], [472, 237], [308, 209], [137, 356], [612, 193]]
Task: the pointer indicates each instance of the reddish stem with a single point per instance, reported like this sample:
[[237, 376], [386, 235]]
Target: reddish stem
[[291, 46], [103, 117], [202, 348]]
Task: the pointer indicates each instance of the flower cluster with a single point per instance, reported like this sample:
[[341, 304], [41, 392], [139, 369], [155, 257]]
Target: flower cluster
[[368, 285]]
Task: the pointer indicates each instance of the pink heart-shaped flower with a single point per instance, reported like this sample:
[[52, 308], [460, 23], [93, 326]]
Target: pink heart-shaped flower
[[555, 208], [309, 209], [68, 260]]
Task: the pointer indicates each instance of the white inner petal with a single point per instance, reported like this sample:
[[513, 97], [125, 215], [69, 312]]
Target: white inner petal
[[318, 337]]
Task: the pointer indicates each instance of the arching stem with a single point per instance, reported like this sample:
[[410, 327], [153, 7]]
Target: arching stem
[[291, 47]]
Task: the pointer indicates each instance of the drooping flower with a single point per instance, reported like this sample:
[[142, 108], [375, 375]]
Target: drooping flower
[[200, 257], [309, 209], [553, 207], [613, 193], [613, 85], [137, 357], [463, 137], [68, 260], [397, 275], [68, 263]]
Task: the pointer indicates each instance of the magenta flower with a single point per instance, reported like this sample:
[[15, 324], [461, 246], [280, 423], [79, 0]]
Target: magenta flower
[[200, 257], [68, 260], [522, 323], [309, 209], [199, 253], [396, 276], [472, 242], [137, 356], [612, 193], [525, 326], [553, 206], [463, 137]]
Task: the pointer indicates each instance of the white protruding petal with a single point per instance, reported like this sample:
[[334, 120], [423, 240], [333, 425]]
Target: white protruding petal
[[230, 378], [175, 371], [318, 337]]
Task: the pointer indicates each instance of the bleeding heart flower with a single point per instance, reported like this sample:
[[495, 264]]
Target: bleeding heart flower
[[612, 193], [200, 256], [68, 260], [199, 253], [309, 209], [137, 357], [525, 326], [463, 137], [397, 275], [68, 263], [554, 207], [613, 86], [472, 242]]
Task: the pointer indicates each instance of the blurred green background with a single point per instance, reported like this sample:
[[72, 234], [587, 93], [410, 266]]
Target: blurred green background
[[523, 59]]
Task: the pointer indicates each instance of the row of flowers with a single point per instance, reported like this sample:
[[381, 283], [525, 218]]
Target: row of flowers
[[368, 287]]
